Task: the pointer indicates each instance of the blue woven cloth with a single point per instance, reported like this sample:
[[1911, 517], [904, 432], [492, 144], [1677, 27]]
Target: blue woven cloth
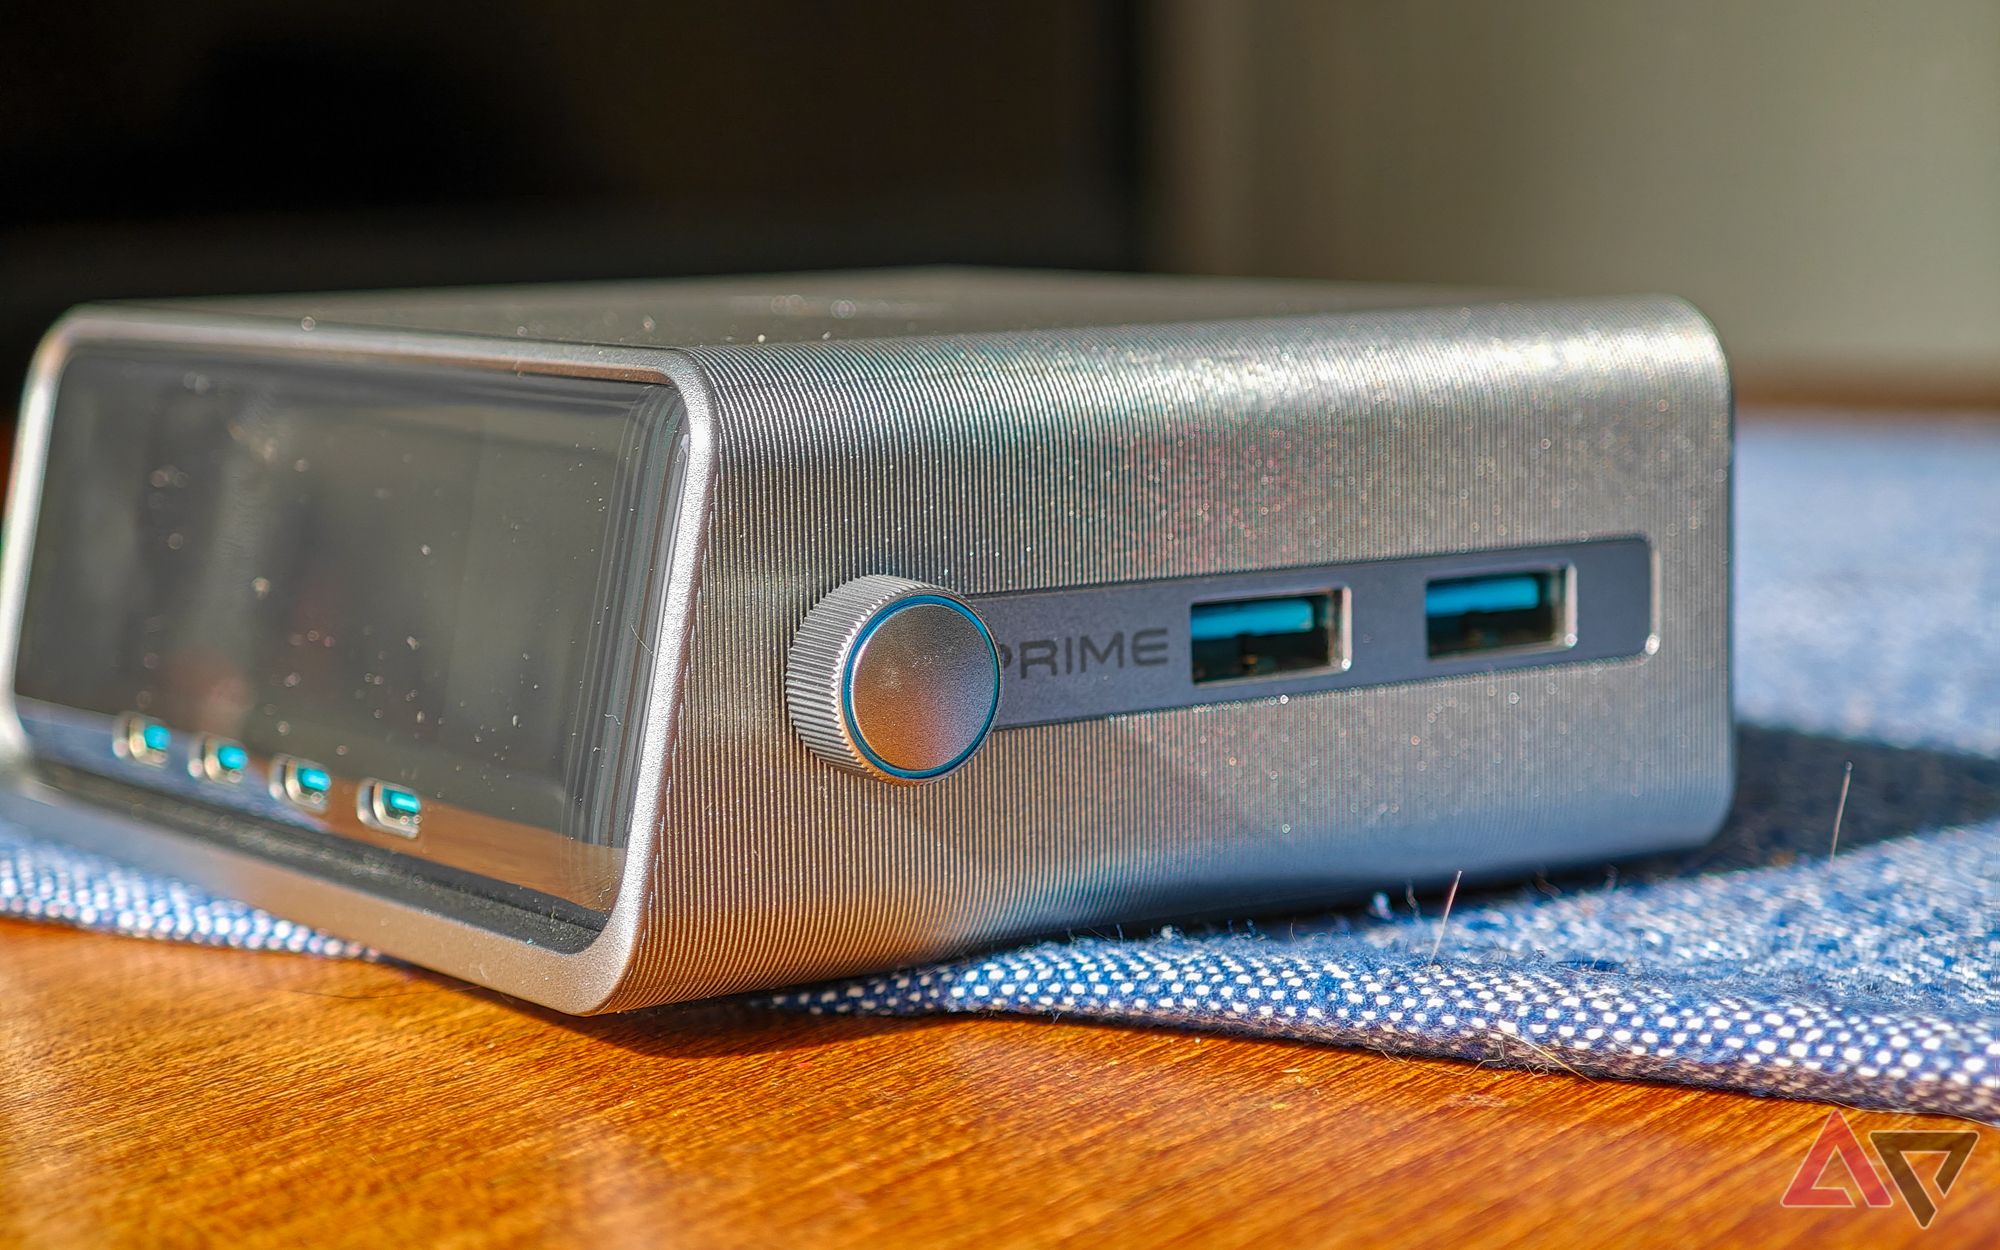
[[1868, 632]]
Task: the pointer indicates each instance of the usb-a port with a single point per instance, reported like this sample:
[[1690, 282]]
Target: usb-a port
[[1262, 637], [1464, 616]]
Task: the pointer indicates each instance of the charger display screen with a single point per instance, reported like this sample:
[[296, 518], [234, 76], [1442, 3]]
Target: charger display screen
[[434, 580]]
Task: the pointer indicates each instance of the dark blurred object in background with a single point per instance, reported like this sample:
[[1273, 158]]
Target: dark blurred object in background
[[1822, 179], [218, 146]]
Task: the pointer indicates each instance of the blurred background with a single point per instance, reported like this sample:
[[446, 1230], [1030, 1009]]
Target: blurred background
[[1821, 176]]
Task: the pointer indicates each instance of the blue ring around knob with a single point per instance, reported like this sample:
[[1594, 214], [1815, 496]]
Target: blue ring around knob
[[882, 614]]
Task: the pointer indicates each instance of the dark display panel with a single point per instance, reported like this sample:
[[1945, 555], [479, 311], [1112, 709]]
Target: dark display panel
[[434, 578]]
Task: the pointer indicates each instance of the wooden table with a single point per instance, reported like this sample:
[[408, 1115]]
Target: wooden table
[[169, 1095]]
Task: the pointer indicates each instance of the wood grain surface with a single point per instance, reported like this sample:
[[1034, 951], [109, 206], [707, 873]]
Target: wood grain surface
[[170, 1095]]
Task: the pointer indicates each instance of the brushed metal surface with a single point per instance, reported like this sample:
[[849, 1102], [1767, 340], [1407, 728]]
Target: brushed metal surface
[[1009, 462], [820, 307]]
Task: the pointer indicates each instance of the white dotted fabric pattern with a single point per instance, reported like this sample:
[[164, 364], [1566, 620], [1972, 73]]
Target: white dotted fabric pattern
[[45, 881], [1770, 961], [1866, 982]]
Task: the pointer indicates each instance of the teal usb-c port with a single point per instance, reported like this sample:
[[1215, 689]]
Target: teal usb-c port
[[142, 739], [1240, 638], [1464, 616], [389, 807], [218, 759], [301, 782]]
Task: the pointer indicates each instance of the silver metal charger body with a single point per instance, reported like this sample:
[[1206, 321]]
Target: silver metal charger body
[[625, 644]]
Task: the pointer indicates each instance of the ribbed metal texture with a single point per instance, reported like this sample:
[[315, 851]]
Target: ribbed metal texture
[[818, 658], [1016, 461]]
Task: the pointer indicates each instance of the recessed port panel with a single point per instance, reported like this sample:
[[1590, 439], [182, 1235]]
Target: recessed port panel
[[1071, 653]]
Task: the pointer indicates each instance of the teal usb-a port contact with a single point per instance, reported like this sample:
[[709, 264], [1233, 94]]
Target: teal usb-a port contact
[[1237, 638], [1464, 616]]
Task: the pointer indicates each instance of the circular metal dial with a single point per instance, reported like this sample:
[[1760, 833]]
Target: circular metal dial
[[893, 678]]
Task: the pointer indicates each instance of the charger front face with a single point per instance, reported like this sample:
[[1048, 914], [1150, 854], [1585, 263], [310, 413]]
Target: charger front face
[[395, 615], [701, 637]]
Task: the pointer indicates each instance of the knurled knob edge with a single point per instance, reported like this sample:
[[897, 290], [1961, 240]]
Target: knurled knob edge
[[816, 669]]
